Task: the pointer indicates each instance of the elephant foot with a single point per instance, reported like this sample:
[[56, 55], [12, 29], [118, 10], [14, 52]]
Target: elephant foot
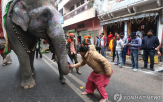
[[29, 83], [63, 80], [33, 71]]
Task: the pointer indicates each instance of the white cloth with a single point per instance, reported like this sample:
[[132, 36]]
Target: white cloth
[[44, 46], [3, 7], [102, 41], [125, 41], [139, 34], [120, 45]]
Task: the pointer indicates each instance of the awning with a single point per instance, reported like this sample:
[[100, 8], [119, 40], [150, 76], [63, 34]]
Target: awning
[[130, 17]]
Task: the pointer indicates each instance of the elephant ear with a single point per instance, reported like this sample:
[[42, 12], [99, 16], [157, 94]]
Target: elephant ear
[[20, 16]]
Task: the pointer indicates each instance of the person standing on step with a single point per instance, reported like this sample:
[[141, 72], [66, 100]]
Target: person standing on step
[[103, 44], [72, 50], [135, 43], [149, 43], [125, 42], [119, 48], [114, 45]]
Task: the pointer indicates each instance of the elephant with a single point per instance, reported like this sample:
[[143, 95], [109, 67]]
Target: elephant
[[26, 22]]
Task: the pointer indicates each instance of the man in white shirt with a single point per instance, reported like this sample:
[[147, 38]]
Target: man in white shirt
[[103, 44], [139, 33], [124, 51]]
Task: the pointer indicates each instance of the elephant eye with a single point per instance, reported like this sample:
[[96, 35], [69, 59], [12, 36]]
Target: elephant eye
[[46, 15]]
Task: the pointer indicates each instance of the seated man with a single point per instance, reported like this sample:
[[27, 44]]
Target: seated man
[[101, 74]]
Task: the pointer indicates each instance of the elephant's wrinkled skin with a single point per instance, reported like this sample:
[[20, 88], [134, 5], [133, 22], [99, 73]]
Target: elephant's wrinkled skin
[[35, 19]]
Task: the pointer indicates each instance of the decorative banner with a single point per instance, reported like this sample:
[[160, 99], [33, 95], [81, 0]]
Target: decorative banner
[[5, 4], [43, 46]]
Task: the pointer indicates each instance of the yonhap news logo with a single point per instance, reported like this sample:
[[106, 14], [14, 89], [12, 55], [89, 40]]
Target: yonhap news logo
[[117, 97], [120, 97]]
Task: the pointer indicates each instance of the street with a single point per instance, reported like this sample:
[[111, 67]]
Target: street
[[124, 86]]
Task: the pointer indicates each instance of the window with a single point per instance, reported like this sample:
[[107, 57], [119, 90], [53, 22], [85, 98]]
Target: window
[[78, 11], [82, 2], [61, 11], [78, 4], [81, 25], [72, 8], [83, 8]]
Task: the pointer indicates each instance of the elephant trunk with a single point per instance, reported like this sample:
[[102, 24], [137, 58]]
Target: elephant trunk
[[57, 37]]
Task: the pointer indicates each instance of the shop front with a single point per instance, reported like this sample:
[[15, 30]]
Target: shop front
[[85, 28], [130, 24]]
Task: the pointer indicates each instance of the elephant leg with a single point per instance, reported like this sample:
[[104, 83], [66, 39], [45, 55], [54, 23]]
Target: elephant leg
[[31, 55], [25, 66], [61, 77]]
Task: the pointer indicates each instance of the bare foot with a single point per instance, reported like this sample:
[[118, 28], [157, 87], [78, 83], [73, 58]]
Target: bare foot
[[70, 71], [103, 100], [84, 93], [78, 72]]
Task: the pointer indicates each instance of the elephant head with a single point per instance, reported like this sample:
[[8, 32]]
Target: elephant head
[[41, 19]]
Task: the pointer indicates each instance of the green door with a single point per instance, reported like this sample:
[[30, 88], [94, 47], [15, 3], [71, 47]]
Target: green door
[[91, 33], [73, 31], [82, 34]]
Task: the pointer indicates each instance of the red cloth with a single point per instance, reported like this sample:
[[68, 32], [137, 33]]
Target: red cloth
[[1, 51], [97, 81], [113, 41], [110, 36], [69, 39]]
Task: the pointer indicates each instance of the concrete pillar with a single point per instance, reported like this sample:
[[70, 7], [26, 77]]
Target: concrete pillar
[[126, 29], [102, 27], [160, 29]]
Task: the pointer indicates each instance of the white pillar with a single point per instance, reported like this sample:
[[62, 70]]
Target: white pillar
[[125, 29], [160, 29], [102, 27]]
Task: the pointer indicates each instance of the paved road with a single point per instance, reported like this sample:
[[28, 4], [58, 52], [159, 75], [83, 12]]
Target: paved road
[[125, 85]]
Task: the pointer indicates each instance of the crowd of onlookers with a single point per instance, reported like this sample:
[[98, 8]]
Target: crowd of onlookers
[[134, 44]]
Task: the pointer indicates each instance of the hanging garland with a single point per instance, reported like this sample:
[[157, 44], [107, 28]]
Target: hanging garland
[[137, 20], [149, 18]]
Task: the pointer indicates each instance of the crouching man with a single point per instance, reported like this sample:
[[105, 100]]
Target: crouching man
[[101, 74]]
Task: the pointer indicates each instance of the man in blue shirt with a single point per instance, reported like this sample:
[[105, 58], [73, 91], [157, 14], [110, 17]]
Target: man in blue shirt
[[98, 45], [134, 44]]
